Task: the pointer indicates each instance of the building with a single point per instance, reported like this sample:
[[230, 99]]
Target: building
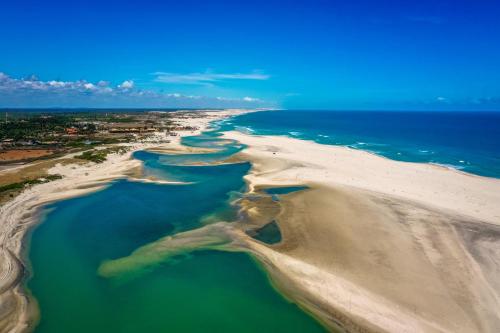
[[71, 131]]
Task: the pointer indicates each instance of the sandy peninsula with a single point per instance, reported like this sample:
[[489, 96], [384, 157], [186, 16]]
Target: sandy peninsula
[[18, 311], [377, 245], [373, 245]]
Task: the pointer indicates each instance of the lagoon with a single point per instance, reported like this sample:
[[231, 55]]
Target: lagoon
[[204, 291]]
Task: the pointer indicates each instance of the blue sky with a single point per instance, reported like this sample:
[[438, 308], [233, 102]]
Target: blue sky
[[293, 54]]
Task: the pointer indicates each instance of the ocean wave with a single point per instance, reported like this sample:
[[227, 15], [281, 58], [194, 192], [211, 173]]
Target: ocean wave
[[448, 166], [365, 145], [295, 133], [425, 152], [243, 129]]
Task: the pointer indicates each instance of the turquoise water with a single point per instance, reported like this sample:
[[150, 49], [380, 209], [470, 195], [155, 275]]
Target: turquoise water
[[204, 291], [468, 141], [284, 190], [223, 149], [275, 192], [269, 234]]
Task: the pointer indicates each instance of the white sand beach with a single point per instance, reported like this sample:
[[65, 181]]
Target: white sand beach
[[380, 245], [374, 245]]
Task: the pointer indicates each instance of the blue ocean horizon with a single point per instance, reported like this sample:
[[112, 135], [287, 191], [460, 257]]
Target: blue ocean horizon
[[463, 140]]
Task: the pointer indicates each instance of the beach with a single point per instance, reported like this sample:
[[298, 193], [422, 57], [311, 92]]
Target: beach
[[380, 245], [250, 166], [18, 311], [368, 244]]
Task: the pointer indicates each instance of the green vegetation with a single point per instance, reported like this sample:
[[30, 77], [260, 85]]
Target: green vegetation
[[77, 131], [124, 119], [70, 128], [85, 143], [34, 127], [29, 182], [99, 156], [96, 156]]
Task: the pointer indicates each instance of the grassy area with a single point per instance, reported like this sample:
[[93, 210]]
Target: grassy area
[[96, 156], [99, 156], [12, 189], [94, 142], [50, 125], [28, 182], [31, 174]]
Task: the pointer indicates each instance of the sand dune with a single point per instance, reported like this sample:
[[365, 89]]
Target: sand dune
[[379, 245], [398, 249]]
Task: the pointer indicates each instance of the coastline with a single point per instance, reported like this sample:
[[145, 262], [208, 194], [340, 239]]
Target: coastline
[[366, 247], [376, 244], [18, 311], [373, 245], [445, 188]]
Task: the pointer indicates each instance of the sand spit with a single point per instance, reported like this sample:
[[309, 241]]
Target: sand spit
[[213, 236], [18, 312], [373, 245], [380, 245], [288, 161]]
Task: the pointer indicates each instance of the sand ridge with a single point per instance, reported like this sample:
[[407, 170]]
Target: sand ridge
[[380, 245], [360, 256]]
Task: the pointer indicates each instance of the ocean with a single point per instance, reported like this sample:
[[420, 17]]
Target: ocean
[[467, 141]]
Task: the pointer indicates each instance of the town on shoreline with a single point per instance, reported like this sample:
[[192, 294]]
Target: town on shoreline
[[44, 136]]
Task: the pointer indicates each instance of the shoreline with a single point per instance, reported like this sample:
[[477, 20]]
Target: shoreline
[[326, 267], [347, 157], [364, 255], [18, 310], [357, 259]]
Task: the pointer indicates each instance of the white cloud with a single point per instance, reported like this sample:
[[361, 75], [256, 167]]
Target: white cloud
[[56, 83], [32, 92], [128, 84], [89, 86], [250, 99], [207, 78]]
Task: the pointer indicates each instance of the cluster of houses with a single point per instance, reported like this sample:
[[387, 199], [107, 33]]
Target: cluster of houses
[[102, 129], [114, 126], [144, 128]]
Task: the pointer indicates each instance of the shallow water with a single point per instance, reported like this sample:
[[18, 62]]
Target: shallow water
[[204, 291], [269, 234], [284, 190]]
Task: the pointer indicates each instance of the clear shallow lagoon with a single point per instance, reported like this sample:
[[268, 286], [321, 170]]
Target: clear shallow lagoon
[[205, 291], [469, 141]]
